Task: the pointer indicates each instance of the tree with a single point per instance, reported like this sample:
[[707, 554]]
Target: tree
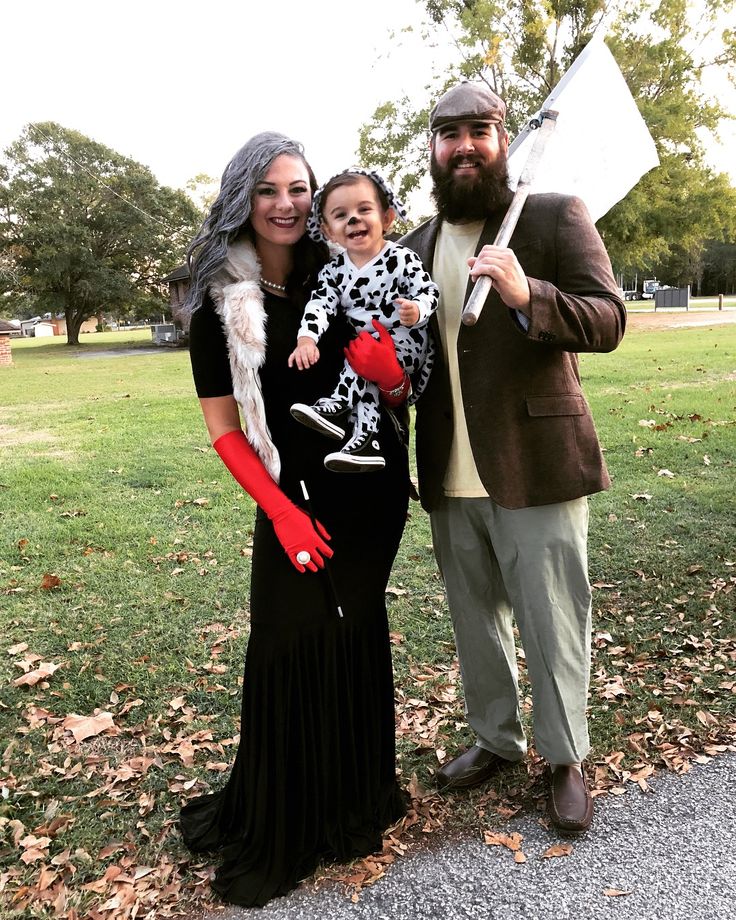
[[85, 230], [719, 268], [521, 48], [202, 189]]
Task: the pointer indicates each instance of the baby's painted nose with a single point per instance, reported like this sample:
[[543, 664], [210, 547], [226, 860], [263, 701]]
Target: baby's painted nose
[[353, 220]]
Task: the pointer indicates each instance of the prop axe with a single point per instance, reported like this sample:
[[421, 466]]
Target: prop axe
[[579, 157], [545, 125]]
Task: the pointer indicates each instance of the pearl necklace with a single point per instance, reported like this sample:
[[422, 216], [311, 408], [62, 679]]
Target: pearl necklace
[[272, 284]]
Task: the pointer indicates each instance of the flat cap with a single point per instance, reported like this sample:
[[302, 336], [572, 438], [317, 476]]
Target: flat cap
[[467, 101]]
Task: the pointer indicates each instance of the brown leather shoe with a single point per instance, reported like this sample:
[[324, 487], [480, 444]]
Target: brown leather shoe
[[570, 805], [469, 769]]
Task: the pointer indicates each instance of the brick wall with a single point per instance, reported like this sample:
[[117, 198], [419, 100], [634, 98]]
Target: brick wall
[[5, 357]]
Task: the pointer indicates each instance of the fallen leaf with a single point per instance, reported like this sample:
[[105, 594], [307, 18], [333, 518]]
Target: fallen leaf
[[88, 726], [18, 829], [559, 849], [45, 669], [510, 841], [615, 892], [17, 649], [49, 582]]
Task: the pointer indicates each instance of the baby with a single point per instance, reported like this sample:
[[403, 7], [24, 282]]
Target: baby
[[372, 279]]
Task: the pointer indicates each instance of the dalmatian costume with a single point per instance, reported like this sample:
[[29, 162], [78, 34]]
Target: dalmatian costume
[[364, 294]]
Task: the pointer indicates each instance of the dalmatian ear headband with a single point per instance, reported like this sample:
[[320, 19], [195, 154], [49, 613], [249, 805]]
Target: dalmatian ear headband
[[314, 220]]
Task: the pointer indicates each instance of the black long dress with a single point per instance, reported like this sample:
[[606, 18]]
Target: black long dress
[[314, 776]]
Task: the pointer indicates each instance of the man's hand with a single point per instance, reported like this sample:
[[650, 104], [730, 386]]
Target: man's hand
[[501, 264], [408, 311], [305, 354]]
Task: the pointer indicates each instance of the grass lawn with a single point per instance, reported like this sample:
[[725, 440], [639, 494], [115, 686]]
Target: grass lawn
[[123, 596]]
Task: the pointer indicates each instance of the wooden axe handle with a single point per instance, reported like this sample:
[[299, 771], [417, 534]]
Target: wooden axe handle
[[484, 283]]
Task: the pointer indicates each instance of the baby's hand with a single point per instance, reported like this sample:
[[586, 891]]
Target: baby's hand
[[305, 354], [408, 311]]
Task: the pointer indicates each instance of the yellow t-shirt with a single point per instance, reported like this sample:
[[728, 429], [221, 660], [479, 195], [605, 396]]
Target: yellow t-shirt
[[456, 243]]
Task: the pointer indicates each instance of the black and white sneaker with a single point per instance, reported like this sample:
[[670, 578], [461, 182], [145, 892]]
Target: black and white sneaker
[[326, 416], [361, 454]]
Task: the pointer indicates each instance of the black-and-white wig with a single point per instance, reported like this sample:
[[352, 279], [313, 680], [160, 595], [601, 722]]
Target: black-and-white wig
[[229, 215]]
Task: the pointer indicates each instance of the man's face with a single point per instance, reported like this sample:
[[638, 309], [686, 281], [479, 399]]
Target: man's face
[[464, 147], [468, 168]]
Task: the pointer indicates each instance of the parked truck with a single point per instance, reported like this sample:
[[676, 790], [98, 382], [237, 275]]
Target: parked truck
[[645, 292], [648, 289]]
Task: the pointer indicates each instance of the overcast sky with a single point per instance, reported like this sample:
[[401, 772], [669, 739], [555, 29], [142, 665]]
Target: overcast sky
[[180, 86]]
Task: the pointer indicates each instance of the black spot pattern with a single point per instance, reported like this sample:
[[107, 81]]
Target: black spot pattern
[[367, 293]]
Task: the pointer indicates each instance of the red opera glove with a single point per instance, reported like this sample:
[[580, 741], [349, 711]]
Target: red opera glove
[[293, 527], [297, 534], [376, 361]]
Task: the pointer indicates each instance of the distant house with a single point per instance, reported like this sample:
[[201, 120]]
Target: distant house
[[7, 331], [59, 324], [27, 326], [178, 282], [50, 324], [12, 327]]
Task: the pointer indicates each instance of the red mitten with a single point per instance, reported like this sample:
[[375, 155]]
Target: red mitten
[[293, 527], [375, 359]]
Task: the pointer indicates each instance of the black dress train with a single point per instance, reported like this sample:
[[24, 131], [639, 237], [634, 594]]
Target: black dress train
[[314, 776]]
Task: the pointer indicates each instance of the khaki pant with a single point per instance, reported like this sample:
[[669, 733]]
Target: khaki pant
[[531, 565]]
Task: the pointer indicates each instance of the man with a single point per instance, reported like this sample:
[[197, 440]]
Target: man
[[506, 447]]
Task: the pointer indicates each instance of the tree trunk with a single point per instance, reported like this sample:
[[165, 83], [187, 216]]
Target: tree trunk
[[74, 320]]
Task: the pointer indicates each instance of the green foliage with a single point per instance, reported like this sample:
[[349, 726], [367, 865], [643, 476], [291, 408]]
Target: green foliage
[[719, 267], [202, 189], [85, 230], [522, 48], [665, 222]]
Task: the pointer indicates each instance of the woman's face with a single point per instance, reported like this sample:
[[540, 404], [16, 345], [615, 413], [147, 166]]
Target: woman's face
[[281, 202]]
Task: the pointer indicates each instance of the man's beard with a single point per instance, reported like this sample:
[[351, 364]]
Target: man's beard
[[465, 199]]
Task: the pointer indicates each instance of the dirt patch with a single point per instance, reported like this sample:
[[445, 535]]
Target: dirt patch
[[681, 319], [10, 437]]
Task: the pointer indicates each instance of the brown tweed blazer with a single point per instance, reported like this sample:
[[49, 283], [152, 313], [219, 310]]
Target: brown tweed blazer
[[530, 427]]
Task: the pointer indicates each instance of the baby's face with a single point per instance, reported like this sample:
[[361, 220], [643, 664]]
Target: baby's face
[[353, 218]]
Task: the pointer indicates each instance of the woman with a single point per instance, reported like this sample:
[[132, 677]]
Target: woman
[[314, 777]]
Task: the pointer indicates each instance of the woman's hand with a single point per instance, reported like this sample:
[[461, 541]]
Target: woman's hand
[[375, 359], [305, 354], [296, 533], [293, 528]]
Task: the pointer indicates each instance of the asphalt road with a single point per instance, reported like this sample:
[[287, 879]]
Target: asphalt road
[[673, 850]]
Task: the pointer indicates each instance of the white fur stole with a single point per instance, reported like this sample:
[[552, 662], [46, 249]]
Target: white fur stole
[[238, 299]]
